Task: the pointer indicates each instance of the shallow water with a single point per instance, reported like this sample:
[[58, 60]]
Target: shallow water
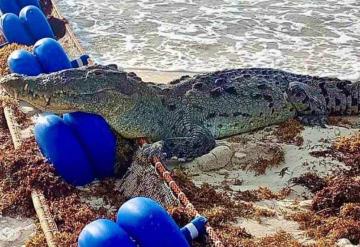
[[306, 36]]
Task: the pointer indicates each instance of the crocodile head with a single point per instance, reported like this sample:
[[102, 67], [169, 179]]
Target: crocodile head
[[95, 89]]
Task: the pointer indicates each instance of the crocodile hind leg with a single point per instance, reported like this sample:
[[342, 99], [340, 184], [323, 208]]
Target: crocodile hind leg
[[194, 142], [308, 103]]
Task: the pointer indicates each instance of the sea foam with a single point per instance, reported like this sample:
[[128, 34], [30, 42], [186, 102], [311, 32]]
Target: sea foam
[[318, 37]]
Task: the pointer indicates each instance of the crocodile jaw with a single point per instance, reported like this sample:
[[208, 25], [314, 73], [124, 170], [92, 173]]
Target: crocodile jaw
[[95, 89], [28, 90]]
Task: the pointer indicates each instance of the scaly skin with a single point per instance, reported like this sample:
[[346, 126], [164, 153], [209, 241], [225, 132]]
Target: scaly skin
[[187, 115]]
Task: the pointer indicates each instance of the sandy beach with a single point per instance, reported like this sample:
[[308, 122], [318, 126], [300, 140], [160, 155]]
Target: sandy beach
[[283, 185]]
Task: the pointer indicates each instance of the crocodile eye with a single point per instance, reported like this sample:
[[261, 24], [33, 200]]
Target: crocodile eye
[[98, 72], [95, 72], [198, 85], [298, 94], [113, 66]]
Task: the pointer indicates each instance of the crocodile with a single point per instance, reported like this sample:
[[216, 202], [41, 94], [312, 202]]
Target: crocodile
[[184, 117]]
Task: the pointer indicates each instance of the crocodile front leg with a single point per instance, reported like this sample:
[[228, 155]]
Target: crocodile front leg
[[194, 141], [308, 103]]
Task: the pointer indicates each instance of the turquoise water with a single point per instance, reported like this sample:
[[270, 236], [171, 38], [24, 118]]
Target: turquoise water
[[307, 36]]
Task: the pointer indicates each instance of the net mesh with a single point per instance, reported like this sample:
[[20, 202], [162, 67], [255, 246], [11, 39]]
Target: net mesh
[[141, 179]]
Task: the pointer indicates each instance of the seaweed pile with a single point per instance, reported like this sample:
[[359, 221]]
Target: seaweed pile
[[289, 132], [335, 212], [347, 150], [311, 181], [22, 172], [338, 192], [336, 204], [327, 230], [261, 165]]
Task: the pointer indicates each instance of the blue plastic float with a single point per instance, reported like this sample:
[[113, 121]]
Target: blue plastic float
[[104, 233], [29, 27], [24, 63], [24, 3], [96, 138], [14, 30], [81, 146], [36, 23], [9, 6], [146, 223], [51, 55], [14, 6], [58, 143], [149, 224]]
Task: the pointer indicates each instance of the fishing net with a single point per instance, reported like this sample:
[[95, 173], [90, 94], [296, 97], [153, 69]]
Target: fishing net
[[142, 179]]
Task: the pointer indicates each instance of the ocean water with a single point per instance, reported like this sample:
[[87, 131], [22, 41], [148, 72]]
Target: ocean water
[[319, 37]]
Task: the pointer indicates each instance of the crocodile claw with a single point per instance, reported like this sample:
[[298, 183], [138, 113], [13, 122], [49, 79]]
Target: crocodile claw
[[154, 150]]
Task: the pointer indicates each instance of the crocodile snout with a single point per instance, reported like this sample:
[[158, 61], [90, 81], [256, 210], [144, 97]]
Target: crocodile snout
[[13, 84]]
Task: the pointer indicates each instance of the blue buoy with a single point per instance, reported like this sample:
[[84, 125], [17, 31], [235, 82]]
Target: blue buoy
[[25, 63], [104, 233], [149, 224], [51, 55], [81, 61], [58, 143], [97, 139], [14, 31], [36, 23], [24, 3], [195, 229], [9, 6]]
